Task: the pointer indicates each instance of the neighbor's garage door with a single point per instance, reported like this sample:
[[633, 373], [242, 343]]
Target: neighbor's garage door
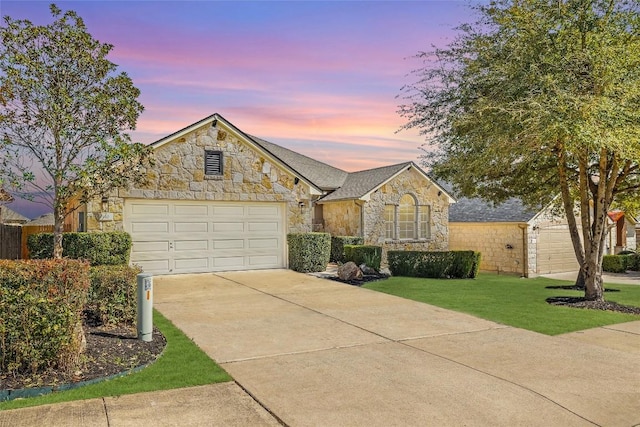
[[199, 236], [555, 251]]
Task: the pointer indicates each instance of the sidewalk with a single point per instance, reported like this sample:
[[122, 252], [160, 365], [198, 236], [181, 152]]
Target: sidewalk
[[307, 351], [628, 278]]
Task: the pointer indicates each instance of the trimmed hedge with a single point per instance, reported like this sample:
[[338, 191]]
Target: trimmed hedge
[[337, 246], [309, 252], [364, 254], [614, 263], [112, 295], [111, 248], [41, 303], [438, 265]]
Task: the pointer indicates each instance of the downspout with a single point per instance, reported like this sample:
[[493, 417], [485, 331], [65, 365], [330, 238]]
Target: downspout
[[360, 204]]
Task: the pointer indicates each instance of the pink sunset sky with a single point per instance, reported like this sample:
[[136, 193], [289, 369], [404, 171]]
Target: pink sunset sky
[[321, 78]]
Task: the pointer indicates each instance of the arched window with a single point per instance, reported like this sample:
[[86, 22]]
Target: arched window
[[390, 221], [407, 217]]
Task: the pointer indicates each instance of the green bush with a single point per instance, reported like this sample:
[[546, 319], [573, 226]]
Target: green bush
[[111, 248], [614, 263], [442, 264], [337, 246], [112, 295], [309, 252], [364, 254], [41, 303]]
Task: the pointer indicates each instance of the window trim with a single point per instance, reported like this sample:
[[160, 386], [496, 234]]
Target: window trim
[[419, 211]]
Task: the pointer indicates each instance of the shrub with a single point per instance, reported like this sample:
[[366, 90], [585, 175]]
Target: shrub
[[41, 303], [309, 252], [633, 262], [112, 294], [364, 254], [338, 243], [614, 263], [453, 264], [111, 248]]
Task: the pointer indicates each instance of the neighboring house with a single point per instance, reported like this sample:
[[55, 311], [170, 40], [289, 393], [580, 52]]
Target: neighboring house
[[515, 239], [8, 216], [219, 199], [43, 220]]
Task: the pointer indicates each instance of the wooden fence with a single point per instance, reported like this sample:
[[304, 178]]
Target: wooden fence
[[29, 230], [10, 241]]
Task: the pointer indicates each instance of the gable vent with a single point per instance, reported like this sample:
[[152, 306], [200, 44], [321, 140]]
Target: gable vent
[[212, 162]]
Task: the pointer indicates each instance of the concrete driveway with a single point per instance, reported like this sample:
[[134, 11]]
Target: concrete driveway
[[319, 353]]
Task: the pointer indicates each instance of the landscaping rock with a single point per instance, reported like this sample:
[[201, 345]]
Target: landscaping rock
[[385, 272], [349, 271], [368, 271]]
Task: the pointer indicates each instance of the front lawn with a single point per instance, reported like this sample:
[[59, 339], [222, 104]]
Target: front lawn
[[183, 364], [512, 301]]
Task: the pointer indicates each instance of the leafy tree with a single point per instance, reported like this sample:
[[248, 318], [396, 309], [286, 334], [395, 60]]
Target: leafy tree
[[63, 114], [539, 98]]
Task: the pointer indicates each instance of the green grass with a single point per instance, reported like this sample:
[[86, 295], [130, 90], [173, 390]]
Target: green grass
[[183, 364], [512, 301]]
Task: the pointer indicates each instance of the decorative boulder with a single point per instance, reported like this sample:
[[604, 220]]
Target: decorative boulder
[[368, 271], [385, 272], [349, 271]]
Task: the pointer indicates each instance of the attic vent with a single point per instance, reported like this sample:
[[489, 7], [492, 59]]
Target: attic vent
[[212, 162]]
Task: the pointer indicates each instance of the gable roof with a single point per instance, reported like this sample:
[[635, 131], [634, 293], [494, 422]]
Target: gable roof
[[479, 210], [318, 175], [359, 184], [10, 216], [46, 219], [321, 174]]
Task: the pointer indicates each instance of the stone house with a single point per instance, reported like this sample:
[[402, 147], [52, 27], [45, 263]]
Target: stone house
[[219, 199], [515, 239]]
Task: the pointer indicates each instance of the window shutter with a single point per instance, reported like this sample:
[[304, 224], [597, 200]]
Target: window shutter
[[212, 162]]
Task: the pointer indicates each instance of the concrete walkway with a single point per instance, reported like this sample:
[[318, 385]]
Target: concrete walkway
[[311, 352]]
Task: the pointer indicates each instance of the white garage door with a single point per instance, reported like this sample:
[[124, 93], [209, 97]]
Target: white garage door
[[172, 237], [555, 252]]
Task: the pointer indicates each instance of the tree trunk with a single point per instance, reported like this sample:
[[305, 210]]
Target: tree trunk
[[58, 229], [594, 289], [580, 280]]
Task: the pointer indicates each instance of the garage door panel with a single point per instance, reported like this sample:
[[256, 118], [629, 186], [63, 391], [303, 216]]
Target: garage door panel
[[263, 243], [191, 264], [150, 246], [260, 260], [237, 227], [149, 227], [555, 251], [153, 265], [190, 245], [149, 208], [270, 227], [230, 211], [268, 211], [228, 244], [191, 210], [198, 236], [191, 227], [227, 262]]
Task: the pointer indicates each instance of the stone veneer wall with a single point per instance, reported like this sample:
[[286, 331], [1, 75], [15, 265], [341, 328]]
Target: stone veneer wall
[[178, 174], [342, 218], [411, 182], [491, 240]]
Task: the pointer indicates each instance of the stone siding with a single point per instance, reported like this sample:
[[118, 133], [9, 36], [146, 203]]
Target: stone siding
[[342, 218], [426, 193], [178, 174], [502, 245]]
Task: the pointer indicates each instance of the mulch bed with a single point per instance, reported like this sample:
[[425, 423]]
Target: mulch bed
[[579, 302], [359, 282], [110, 351]]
